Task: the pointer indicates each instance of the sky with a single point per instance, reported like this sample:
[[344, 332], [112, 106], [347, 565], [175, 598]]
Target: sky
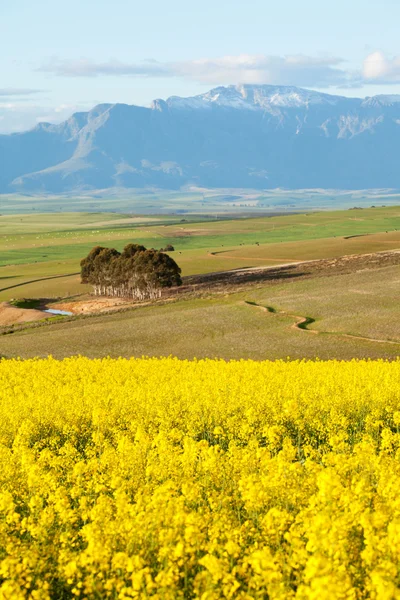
[[61, 57]]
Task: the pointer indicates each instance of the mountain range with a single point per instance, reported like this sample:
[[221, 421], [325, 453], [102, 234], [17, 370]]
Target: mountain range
[[245, 136]]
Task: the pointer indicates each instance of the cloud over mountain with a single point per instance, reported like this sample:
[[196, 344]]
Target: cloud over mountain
[[246, 68], [379, 69], [16, 115], [295, 69]]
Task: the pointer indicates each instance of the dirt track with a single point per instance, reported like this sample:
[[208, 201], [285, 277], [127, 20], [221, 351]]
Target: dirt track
[[293, 270], [301, 323], [17, 285]]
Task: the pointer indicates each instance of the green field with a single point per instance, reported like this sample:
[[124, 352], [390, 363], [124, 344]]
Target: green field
[[34, 248], [234, 325], [40, 255]]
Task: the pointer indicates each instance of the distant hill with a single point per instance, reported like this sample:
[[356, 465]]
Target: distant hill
[[248, 136]]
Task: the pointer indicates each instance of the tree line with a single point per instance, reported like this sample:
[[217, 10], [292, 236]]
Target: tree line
[[136, 272]]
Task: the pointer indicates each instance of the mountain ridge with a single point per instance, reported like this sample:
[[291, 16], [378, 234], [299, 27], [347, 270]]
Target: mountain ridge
[[247, 136]]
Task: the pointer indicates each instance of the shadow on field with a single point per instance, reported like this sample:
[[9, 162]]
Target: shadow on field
[[313, 268], [242, 275]]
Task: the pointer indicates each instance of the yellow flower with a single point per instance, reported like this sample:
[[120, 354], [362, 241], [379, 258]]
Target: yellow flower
[[205, 479]]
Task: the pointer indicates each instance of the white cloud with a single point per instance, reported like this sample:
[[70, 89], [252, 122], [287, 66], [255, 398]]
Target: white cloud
[[289, 70], [379, 69], [17, 117], [87, 68], [245, 68], [297, 69], [11, 92]]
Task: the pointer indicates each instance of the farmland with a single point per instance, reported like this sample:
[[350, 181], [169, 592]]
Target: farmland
[[349, 315], [232, 324], [205, 470], [228, 201], [176, 479], [38, 247]]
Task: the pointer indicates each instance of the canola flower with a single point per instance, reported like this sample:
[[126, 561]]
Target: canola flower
[[168, 479]]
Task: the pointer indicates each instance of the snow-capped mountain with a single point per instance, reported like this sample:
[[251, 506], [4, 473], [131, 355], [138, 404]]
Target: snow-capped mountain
[[255, 136], [253, 97], [382, 100]]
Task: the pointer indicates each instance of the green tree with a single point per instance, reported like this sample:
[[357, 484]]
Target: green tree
[[136, 272], [87, 263], [132, 249]]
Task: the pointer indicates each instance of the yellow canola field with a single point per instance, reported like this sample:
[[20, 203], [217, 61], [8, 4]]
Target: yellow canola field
[[168, 479]]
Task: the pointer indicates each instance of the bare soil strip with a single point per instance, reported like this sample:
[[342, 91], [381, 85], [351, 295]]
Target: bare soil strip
[[326, 267], [10, 315], [217, 254], [92, 305]]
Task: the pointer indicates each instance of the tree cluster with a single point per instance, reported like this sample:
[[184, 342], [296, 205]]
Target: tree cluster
[[136, 272]]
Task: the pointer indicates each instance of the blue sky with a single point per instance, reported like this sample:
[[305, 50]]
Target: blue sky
[[59, 57]]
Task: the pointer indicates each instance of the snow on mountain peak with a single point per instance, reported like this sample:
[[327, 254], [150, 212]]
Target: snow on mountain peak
[[253, 97], [269, 98], [382, 100], [285, 96]]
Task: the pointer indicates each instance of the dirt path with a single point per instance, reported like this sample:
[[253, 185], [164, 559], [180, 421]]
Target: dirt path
[[10, 287], [217, 255], [10, 315], [318, 267], [301, 323]]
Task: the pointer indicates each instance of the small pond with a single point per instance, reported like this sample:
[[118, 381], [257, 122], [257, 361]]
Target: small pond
[[54, 311]]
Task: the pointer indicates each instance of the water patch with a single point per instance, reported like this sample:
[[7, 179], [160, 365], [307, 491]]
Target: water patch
[[54, 311]]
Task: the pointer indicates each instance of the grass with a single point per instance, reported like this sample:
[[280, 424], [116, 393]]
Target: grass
[[37, 247], [40, 259], [57, 283], [74, 221], [230, 327], [353, 304]]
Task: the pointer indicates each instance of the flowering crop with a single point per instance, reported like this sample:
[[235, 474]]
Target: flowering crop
[[166, 479]]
